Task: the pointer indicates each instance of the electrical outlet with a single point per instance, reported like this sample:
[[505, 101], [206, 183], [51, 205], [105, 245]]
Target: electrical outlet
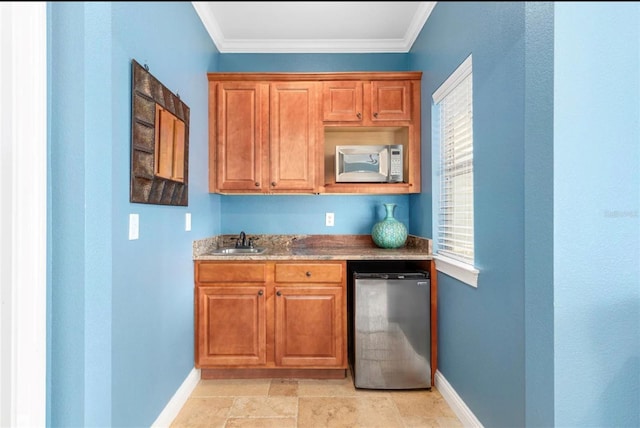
[[134, 226], [187, 222], [328, 219]]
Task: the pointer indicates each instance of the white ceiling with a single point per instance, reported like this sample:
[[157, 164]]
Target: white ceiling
[[313, 26]]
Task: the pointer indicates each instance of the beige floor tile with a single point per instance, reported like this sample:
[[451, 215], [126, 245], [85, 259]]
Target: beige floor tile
[[325, 388], [264, 407], [333, 388], [422, 403], [231, 387], [425, 422], [261, 423], [284, 387], [452, 422], [307, 403], [335, 412], [203, 412]]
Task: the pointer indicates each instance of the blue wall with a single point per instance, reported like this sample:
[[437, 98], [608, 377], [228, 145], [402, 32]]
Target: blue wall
[[596, 214], [538, 216], [305, 214], [354, 214], [481, 331], [121, 319], [551, 335]]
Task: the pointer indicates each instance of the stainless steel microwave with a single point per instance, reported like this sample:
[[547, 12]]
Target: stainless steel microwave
[[369, 164]]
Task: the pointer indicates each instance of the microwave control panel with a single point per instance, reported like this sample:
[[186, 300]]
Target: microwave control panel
[[395, 164]]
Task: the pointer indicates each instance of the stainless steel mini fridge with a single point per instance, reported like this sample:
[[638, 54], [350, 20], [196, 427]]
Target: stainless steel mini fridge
[[392, 330]]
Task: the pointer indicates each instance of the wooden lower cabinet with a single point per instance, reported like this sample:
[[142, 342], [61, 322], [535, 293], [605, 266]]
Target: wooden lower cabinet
[[231, 326], [279, 318], [308, 328]]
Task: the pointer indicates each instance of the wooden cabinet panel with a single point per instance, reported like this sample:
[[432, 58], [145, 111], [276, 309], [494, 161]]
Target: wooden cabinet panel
[[390, 100], [242, 131], [309, 326], [293, 148], [309, 272], [231, 326], [342, 101], [231, 272]]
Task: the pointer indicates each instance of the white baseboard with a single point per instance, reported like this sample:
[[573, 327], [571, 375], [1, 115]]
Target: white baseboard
[[458, 406], [176, 403]]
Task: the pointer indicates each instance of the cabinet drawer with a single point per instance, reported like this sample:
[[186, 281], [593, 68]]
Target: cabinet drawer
[[231, 272], [308, 272]]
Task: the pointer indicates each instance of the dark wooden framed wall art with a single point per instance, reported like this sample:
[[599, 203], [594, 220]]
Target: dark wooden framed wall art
[[159, 142]]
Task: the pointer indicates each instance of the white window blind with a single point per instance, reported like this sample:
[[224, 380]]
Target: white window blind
[[455, 209]]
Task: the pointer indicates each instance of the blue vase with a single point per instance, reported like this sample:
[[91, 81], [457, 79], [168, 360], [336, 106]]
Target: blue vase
[[389, 233]]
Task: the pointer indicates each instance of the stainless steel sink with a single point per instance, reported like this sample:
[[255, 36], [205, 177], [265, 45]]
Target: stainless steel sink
[[232, 251]]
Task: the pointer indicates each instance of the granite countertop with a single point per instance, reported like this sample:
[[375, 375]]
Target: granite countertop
[[313, 247]]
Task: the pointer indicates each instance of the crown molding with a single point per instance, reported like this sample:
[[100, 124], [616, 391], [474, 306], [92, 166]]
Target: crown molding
[[419, 19], [314, 46], [209, 21]]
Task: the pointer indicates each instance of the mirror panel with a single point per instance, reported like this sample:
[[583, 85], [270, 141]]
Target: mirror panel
[[169, 147]]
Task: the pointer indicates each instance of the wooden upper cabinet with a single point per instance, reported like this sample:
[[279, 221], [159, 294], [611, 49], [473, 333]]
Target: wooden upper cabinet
[[242, 129], [277, 132], [367, 102], [264, 136], [342, 101], [390, 100], [293, 149]]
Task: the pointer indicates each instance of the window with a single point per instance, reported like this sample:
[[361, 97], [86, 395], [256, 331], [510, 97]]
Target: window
[[453, 187]]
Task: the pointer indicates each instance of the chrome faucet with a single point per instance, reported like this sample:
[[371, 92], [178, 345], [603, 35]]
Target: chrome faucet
[[242, 241]]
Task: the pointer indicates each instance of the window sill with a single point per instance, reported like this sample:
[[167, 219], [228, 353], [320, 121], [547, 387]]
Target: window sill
[[458, 270]]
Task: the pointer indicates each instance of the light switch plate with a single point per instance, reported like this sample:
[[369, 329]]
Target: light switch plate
[[187, 222], [134, 226]]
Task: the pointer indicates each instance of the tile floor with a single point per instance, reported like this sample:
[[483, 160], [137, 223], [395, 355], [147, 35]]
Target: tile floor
[[284, 403]]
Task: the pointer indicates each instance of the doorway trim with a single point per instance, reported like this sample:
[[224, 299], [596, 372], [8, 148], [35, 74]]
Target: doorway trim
[[23, 214]]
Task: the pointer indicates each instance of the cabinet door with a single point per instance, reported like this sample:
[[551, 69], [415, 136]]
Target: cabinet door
[[242, 132], [230, 326], [309, 327], [390, 100], [294, 133], [342, 101]]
